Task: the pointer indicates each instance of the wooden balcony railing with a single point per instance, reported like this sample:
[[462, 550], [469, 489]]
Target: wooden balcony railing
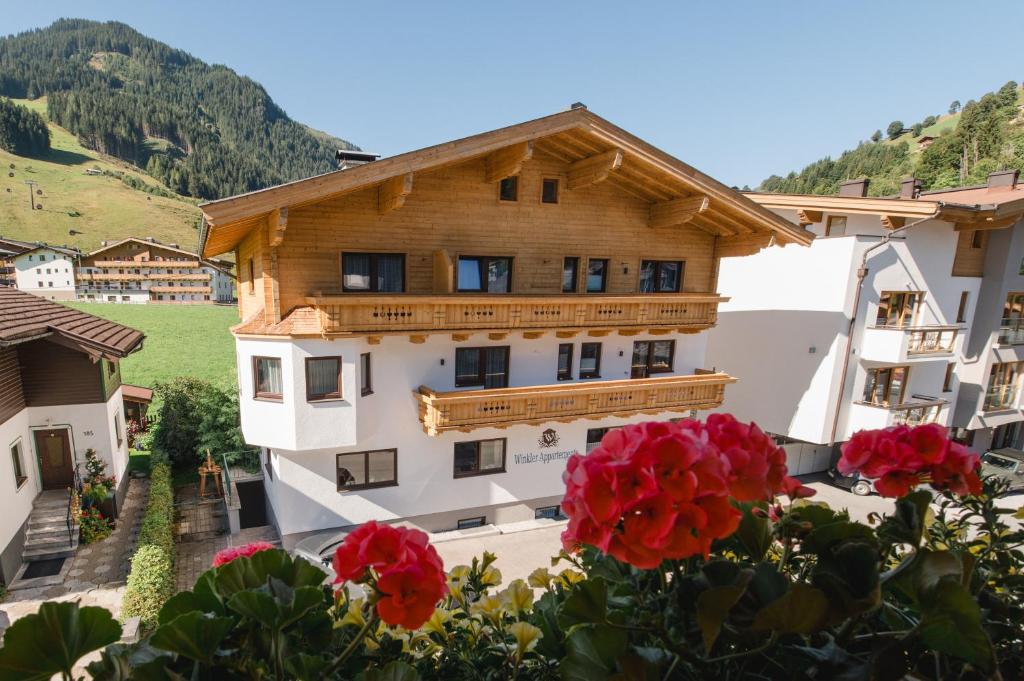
[[915, 414], [145, 263], [1000, 397], [446, 313], [180, 289], [932, 340], [467, 410]]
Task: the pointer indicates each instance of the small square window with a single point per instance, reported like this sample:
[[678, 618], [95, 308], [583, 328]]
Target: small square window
[[508, 189], [323, 378], [266, 375], [549, 191], [836, 225]]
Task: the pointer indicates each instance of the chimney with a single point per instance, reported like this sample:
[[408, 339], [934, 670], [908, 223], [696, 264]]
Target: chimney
[[854, 187], [577, 105], [910, 188], [1003, 179], [348, 158]]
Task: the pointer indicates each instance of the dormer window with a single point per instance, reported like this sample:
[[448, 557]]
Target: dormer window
[[508, 189]]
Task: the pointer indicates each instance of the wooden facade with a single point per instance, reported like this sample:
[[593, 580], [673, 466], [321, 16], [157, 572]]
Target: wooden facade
[[53, 374], [12, 397], [969, 259]]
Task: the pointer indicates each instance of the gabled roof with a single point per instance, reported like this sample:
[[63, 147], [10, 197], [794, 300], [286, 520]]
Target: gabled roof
[[25, 317], [572, 136], [70, 252], [136, 393], [167, 247]]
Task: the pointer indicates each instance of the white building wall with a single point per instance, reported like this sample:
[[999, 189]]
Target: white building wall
[[46, 273], [17, 501]]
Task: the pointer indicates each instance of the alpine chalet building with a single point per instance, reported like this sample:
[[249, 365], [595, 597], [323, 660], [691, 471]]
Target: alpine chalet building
[[428, 337]]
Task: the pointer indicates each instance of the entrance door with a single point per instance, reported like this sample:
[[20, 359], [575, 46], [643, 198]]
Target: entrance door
[[53, 447], [254, 504]]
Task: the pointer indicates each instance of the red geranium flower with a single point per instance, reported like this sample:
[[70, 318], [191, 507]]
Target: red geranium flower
[[227, 555]]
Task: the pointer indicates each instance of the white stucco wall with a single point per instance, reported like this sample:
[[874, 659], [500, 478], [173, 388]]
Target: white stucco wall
[[46, 273], [17, 501]]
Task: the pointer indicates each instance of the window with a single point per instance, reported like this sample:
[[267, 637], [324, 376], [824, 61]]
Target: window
[[595, 435], [565, 361], [486, 367], [252, 276], [947, 382], [652, 357], [481, 457], [485, 274], [373, 272], [836, 225], [366, 470], [570, 274], [977, 238], [323, 378], [468, 523], [508, 189], [266, 375], [1003, 383], [961, 311], [897, 308], [19, 465], [118, 431], [885, 387], [549, 191], [111, 368], [548, 512], [597, 274], [590, 360], [661, 276], [365, 374]]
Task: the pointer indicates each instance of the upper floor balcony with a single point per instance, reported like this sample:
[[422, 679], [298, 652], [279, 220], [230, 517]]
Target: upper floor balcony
[[999, 397], [917, 410], [902, 344], [567, 314], [467, 410], [145, 263], [1011, 332]]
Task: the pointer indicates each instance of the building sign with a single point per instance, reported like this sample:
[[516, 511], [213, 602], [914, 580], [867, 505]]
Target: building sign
[[549, 438], [543, 457]]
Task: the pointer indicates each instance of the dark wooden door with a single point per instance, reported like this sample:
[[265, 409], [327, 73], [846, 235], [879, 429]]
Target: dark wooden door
[[53, 447], [254, 504]]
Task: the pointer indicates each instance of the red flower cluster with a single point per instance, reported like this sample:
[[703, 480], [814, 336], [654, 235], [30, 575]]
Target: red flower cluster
[[229, 554], [661, 490], [901, 458], [410, 577]]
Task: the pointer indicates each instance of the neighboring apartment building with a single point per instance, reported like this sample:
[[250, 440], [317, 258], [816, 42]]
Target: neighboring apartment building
[[889, 317], [429, 337], [146, 271], [60, 395], [47, 271], [9, 248]]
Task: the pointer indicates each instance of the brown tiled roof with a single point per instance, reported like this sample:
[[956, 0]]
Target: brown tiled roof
[[24, 316], [301, 321], [136, 393]]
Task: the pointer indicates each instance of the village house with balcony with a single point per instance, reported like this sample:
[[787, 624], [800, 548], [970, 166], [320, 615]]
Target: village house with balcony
[[894, 315], [428, 337]]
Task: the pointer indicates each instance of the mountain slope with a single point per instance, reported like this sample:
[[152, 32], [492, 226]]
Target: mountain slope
[[200, 129], [95, 207], [984, 136]]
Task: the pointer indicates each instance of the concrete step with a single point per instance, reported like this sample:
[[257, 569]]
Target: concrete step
[[47, 524], [57, 532], [45, 552], [51, 541]]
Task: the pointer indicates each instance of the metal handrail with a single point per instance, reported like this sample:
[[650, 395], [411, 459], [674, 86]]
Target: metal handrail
[[227, 478], [69, 520]]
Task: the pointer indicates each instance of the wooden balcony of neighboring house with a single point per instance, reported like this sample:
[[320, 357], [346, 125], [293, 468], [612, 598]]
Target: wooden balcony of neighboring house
[[145, 263], [180, 289], [896, 344], [929, 340], [466, 410], [918, 411], [1011, 332], [499, 314], [1000, 397]]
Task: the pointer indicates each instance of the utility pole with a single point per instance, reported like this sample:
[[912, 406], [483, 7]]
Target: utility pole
[[31, 194]]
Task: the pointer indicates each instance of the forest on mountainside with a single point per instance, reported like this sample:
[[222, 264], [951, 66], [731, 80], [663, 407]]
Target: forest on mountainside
[[957, 149], [22, 132], [201, 129]]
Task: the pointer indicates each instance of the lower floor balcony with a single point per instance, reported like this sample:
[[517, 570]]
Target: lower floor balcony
[[1000, 397], [914, 411], [467, 410]]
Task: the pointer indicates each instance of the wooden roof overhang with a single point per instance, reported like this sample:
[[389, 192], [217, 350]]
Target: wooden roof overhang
[[594, 149], [894, 213]]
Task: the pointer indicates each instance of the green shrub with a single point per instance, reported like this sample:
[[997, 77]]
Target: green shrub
[[151, 580]]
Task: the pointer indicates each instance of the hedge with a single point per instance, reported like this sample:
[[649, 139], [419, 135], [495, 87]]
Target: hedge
[[151, 580]]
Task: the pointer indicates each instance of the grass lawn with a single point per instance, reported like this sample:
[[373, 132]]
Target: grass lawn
[[181, 340]]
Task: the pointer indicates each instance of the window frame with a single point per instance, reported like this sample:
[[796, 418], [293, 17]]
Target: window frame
[[830, 219], [885, 302], [977, 239], [373, 256], [490, 471], [365, 374], [657, 274], [256, 394], [650, 356], [947, 381], [366, 468], [544, 184], [567, 374], [596, 373], [481, 377], [538, 513], [477, 520], [575, 260], [872, 382], [326, 397], [17, 450], [515, 189], [483, 262], [604, 277]]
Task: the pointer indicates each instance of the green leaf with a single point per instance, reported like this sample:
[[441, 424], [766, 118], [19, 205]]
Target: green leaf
[[951, 624], [393, 671], [306, 667], [713, 608], [767, 584], [907, 523], [54, 639], [591, 653], [754, 533], [586, 604], [802, 610], [139, 662], [194, 635], [823, 538], [242, 574], [256, 605], [933, 566]]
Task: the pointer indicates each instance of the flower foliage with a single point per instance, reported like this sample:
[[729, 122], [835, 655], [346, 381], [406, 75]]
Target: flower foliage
[[232, 552], [901, 458], [405, 570], [657, 491]]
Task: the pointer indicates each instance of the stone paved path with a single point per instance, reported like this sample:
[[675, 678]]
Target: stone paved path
[[196, 557]]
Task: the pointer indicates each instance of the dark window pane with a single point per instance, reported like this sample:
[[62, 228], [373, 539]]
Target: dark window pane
[[268, 376], [352, 470], [390, 273], [492, 455], [570, 272], [565, 361], [590, 360], [647, 270], [550, 512], [465, 458], [356, 268], [509, 189], [365, 375], [469, 274], [496, 367], [597, 270], [499, 271], [323, 377], [467, 523], [670, 276], [549, 193], [661, 355], [467, 366]]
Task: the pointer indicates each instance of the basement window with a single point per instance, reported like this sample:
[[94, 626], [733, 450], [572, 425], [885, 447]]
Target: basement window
[[508, 189], [468, 523], [549, 191]]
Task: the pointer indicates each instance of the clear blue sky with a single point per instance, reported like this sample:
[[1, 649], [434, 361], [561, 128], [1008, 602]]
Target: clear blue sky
[[738, 89]]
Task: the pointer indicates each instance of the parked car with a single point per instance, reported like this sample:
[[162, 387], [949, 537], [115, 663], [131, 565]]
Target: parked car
[[854, 482], [1006, 463]]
